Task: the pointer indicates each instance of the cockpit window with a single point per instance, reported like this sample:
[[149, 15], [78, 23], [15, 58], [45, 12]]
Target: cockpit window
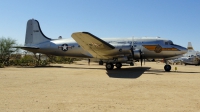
[[170, 42]]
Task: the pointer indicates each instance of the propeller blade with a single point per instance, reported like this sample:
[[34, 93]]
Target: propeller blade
[[141, 58], [132, 52]]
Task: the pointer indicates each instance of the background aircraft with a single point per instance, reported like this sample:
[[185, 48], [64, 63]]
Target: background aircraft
[[194, 60], [110, 51], [192, 57]]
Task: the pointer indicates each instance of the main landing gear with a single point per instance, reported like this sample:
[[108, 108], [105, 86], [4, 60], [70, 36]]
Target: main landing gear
[[167, 67], [110, 66], [118, 65], [101, 62]]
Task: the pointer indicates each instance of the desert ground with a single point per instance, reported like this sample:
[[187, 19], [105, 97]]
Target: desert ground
[[79, 87]]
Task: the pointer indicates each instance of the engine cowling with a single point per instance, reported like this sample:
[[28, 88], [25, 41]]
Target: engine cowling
[[136, 54]]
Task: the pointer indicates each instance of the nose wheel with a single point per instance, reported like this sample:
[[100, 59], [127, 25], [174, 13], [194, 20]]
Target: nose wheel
[[167, 68]]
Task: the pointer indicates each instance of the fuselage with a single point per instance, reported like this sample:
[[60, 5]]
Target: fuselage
[[150, 47]]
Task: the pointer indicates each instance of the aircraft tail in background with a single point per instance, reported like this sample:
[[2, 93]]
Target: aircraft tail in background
[[189, 47]]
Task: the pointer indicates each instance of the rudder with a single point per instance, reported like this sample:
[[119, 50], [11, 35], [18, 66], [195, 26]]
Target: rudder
[[189, 47]]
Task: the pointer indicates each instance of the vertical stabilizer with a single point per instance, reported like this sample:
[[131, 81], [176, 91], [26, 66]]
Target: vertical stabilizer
[[34, 34], [190, 46], [191, 52]]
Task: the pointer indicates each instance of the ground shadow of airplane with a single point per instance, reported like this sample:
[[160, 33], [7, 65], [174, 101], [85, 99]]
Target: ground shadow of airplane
[[134, 72], [53, 66]]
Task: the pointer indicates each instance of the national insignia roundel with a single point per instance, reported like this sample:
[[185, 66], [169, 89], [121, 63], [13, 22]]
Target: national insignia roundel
[[158, 49]]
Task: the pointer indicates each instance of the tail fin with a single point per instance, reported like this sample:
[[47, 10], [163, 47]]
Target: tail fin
[[190, 46], [191, 52], [34, 34]]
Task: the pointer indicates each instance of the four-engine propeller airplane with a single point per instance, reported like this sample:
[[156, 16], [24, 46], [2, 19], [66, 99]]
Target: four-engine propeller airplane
[[112, 51]]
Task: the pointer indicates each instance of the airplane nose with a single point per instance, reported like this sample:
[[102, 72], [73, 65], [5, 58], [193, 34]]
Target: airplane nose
[[182, 50], [179, 49]]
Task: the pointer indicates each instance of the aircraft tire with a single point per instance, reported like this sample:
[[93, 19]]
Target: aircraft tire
[[100, 62], [118, 65], [131, 64], [109, 66], [167, 68]]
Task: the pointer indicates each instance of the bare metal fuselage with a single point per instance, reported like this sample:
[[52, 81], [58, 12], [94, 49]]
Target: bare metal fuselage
[[122, 48]]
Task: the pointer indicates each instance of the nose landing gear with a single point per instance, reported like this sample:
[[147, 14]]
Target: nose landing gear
[[167, 68]]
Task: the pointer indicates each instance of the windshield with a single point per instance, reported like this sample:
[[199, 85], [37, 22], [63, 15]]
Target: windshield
[[170, 42]]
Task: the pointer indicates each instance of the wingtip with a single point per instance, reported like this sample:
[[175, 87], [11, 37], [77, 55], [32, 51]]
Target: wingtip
[[83, 32]]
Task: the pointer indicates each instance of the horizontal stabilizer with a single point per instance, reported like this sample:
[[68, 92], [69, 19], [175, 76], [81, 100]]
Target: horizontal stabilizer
[[31, 49], [25, 47]]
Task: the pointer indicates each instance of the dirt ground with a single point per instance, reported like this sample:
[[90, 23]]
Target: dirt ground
[[80, 87]]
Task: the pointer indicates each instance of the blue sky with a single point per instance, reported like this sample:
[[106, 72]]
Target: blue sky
[[177, 20]]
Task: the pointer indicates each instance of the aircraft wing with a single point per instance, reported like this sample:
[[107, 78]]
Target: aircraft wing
[[95, 46]]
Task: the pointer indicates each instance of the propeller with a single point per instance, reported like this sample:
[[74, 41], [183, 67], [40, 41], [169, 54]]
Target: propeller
[[132, 52], [141, 58], [132, 49]]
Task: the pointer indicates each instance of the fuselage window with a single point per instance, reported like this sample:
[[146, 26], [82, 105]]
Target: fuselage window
[[121, 42]]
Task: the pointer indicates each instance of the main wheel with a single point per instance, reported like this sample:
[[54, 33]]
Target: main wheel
[[167, 68], [131, 64], [109, 66], [118, 65], [100, 62]]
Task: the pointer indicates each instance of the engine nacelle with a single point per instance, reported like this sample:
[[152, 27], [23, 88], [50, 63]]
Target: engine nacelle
[[122, 59], [136, 54]]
